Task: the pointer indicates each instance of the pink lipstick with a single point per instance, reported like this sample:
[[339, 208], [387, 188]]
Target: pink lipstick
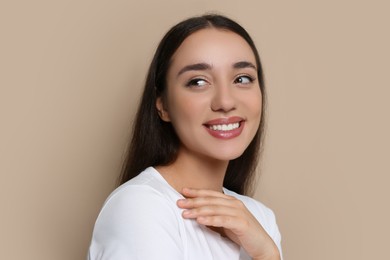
[[225, 128]]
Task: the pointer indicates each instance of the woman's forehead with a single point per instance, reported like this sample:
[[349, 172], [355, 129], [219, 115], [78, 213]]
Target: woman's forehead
[[212, 46]]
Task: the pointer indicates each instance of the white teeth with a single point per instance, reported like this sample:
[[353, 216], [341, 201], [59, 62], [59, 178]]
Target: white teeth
[[228, 127]]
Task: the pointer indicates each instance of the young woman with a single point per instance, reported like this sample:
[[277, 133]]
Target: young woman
[[193, 154]]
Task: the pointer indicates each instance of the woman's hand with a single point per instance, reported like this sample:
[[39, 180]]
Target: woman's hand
[[228, 216]]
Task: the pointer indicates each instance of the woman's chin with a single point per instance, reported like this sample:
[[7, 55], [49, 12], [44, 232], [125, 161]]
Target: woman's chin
[[228, 156]]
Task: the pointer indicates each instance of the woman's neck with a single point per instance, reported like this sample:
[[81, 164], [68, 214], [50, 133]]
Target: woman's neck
[[192, 171]]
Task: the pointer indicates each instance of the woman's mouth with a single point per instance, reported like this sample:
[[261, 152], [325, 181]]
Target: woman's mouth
[[225, 128]]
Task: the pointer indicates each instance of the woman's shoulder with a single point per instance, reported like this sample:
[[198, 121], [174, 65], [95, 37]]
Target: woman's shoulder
[[144, 192], [149, 183], [136, 214]]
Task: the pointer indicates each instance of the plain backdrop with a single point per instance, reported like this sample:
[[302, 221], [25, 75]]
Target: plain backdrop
[[71, 75]]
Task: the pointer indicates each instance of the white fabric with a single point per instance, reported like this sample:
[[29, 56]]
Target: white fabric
[[140, 220]]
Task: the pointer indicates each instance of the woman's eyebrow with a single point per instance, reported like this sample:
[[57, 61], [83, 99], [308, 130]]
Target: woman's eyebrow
[[243, 65], [205, 66], [196, 66]]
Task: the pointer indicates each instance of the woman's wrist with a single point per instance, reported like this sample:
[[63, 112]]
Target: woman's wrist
[[273, 254]]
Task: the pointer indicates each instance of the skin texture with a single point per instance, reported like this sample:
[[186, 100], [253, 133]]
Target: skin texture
[[213, 77]]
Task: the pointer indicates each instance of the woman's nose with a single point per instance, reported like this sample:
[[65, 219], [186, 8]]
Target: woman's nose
[[223, 99]]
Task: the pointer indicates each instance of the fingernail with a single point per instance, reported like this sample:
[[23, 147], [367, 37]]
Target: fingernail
[[182, 203], [187, 189], [187, 213]]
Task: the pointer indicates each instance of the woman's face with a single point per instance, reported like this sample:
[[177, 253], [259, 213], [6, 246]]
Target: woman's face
[[213, 97]]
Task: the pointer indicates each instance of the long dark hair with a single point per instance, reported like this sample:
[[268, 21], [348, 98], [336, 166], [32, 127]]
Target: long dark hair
[[154, 142]]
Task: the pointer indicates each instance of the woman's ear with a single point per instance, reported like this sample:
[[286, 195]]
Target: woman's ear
[[162, 112]]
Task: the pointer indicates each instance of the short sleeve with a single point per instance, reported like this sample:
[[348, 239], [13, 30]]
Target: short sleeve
[[136, 222]]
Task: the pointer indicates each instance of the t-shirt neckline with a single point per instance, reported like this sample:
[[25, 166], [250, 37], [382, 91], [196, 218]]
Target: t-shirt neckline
[[161, 178]]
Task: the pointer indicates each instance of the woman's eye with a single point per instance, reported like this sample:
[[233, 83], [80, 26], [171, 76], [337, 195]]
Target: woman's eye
[[196, 83], [243, 80]]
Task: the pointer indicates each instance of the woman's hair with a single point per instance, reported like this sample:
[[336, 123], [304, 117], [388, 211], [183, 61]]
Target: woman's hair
[[154, 142]]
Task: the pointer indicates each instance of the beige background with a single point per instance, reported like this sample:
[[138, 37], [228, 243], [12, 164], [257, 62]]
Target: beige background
[[71, 73]]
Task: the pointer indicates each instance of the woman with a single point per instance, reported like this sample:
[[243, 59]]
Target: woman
[[193, 154]]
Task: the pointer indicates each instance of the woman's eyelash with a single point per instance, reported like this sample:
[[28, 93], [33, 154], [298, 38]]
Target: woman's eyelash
[[244, 79], [196, 82]]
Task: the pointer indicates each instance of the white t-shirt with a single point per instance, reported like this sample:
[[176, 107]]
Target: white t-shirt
[[140, 220]]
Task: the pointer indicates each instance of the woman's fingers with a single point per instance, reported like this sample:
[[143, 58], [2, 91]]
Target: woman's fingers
[[208, 202], [237, 225], [205, 201], [192, 193], [213, 208], [210, 207], [198, 198]]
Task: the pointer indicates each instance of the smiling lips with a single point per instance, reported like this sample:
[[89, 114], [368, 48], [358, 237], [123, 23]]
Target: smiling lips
[[225, 128]]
